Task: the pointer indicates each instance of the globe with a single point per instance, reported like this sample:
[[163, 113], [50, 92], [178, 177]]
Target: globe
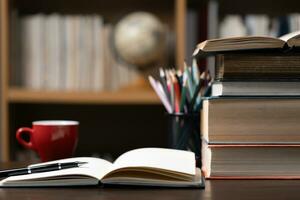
[[139, 38]]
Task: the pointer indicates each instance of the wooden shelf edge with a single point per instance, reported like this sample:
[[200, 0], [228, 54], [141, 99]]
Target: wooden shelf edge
[[141, 96]]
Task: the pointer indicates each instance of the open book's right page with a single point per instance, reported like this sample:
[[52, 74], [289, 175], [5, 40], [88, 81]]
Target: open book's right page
[[167, 159], [288, 36], [292, 39]]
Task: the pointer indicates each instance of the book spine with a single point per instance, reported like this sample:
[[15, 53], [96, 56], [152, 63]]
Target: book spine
[[63, 53], [33, 51], [82, 49], [109, 64], [52, 52], [98, 54]]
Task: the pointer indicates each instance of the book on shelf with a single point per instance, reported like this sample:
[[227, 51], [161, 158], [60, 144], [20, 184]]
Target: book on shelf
[[251, 161], [258, 24], [246, 43], [232, 25], [140, 167], [255, 88], [261, 120], [257, 66]]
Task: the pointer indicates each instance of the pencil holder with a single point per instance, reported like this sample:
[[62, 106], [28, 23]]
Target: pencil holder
[[184, 132]]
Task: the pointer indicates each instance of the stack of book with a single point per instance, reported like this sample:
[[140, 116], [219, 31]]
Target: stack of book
[[250, 126]]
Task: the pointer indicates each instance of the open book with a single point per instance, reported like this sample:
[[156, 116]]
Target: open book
[[146, 167], [212, 46]]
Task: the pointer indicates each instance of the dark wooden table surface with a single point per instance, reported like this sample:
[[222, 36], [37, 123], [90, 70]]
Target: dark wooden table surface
[[215, 190]]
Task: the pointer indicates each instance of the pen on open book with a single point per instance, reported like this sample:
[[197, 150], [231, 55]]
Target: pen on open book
[[40, 168]]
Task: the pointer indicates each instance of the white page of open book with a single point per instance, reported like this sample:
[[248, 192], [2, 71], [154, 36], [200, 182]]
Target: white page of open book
[[95, 168], [288, 36], [168, 159]]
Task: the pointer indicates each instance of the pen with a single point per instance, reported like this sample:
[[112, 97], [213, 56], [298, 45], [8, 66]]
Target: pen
[[40, 168]]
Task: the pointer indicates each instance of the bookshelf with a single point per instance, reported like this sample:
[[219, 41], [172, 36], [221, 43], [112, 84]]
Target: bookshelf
[[171, 12], [138, 96], [4, 79]]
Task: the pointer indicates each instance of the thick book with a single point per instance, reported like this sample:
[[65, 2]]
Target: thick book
[[255, 88], [140, 167], [251, 161], [257, 66], [246, 43], [265, 120]]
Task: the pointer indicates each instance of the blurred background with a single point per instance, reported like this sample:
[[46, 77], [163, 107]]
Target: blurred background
[[89, 61]]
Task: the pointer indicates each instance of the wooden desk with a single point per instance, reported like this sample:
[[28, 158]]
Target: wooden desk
[[216, 189]]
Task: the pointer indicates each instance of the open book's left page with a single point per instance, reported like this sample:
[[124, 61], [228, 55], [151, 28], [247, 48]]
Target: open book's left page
[[87, 174]]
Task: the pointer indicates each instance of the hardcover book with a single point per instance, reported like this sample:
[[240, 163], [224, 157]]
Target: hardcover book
[[246, 43], [251, 161], [255, 88], [257, 66], [251, 120]]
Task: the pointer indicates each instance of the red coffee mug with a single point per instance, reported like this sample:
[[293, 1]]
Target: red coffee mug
[[51, 139]]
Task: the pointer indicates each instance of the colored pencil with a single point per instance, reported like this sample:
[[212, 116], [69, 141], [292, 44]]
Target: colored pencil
[[163, 80], [180, 90], [183, 93], [161, 95], [176, 93]]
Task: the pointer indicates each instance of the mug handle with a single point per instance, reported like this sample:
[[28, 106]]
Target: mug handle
[[19, 134]]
